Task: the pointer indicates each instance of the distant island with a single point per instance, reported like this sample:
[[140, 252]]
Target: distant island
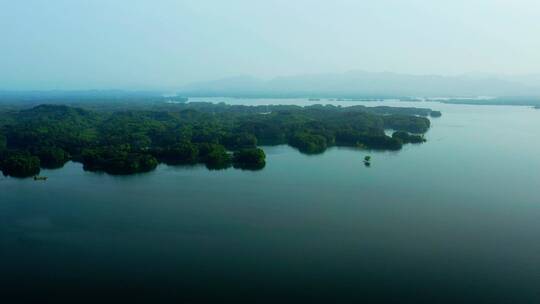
[[127, 141], [498, 101]]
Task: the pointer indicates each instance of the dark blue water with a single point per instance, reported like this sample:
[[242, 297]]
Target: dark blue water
[[454, 220]]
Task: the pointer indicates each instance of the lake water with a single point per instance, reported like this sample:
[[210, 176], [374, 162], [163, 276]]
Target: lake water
[[454, 220]]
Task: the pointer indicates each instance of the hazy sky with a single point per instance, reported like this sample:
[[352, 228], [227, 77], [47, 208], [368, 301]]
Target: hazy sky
[[78, 44]]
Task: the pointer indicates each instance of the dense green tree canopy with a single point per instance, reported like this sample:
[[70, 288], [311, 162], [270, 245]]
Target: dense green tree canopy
[[250, 159], [308, 142], [130, 140], [215, 156], [407, 138], [117, 160], [19, 164], [51, 157], [177, 154]]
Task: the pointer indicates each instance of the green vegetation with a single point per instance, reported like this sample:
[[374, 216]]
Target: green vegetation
[[435, 114], [250, 159], [126, 141], [240, 141], [214, 156], [308, 143], [405, 123], [52, 157], [367, 161], [19, 164], [407, 138], [117, 160], [356, 138], [178, 154]]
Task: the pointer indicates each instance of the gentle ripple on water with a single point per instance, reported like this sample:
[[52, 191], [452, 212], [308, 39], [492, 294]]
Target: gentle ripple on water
[[451, 220]]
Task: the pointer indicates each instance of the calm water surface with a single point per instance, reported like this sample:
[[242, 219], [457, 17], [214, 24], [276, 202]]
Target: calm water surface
[[455, 220]]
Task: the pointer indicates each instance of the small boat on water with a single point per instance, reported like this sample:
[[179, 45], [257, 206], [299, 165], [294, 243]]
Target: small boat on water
[[40, 178]]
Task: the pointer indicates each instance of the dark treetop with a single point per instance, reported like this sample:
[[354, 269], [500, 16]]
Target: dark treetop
[[128, 140]]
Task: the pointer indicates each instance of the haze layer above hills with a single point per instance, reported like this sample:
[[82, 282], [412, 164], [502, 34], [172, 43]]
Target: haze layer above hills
[[367, 84]]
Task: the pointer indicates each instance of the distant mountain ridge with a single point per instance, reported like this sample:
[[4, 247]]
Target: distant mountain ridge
[[367, 84], [353, 84], [85, 96]]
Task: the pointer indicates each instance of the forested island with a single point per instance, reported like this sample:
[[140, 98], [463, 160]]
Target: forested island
[[127, 141]]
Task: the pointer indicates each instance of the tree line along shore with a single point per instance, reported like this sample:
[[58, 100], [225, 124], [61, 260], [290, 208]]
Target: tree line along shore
[[128, 141]]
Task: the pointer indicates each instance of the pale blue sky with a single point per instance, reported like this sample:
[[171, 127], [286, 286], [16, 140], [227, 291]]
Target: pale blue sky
[[134, 44]]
